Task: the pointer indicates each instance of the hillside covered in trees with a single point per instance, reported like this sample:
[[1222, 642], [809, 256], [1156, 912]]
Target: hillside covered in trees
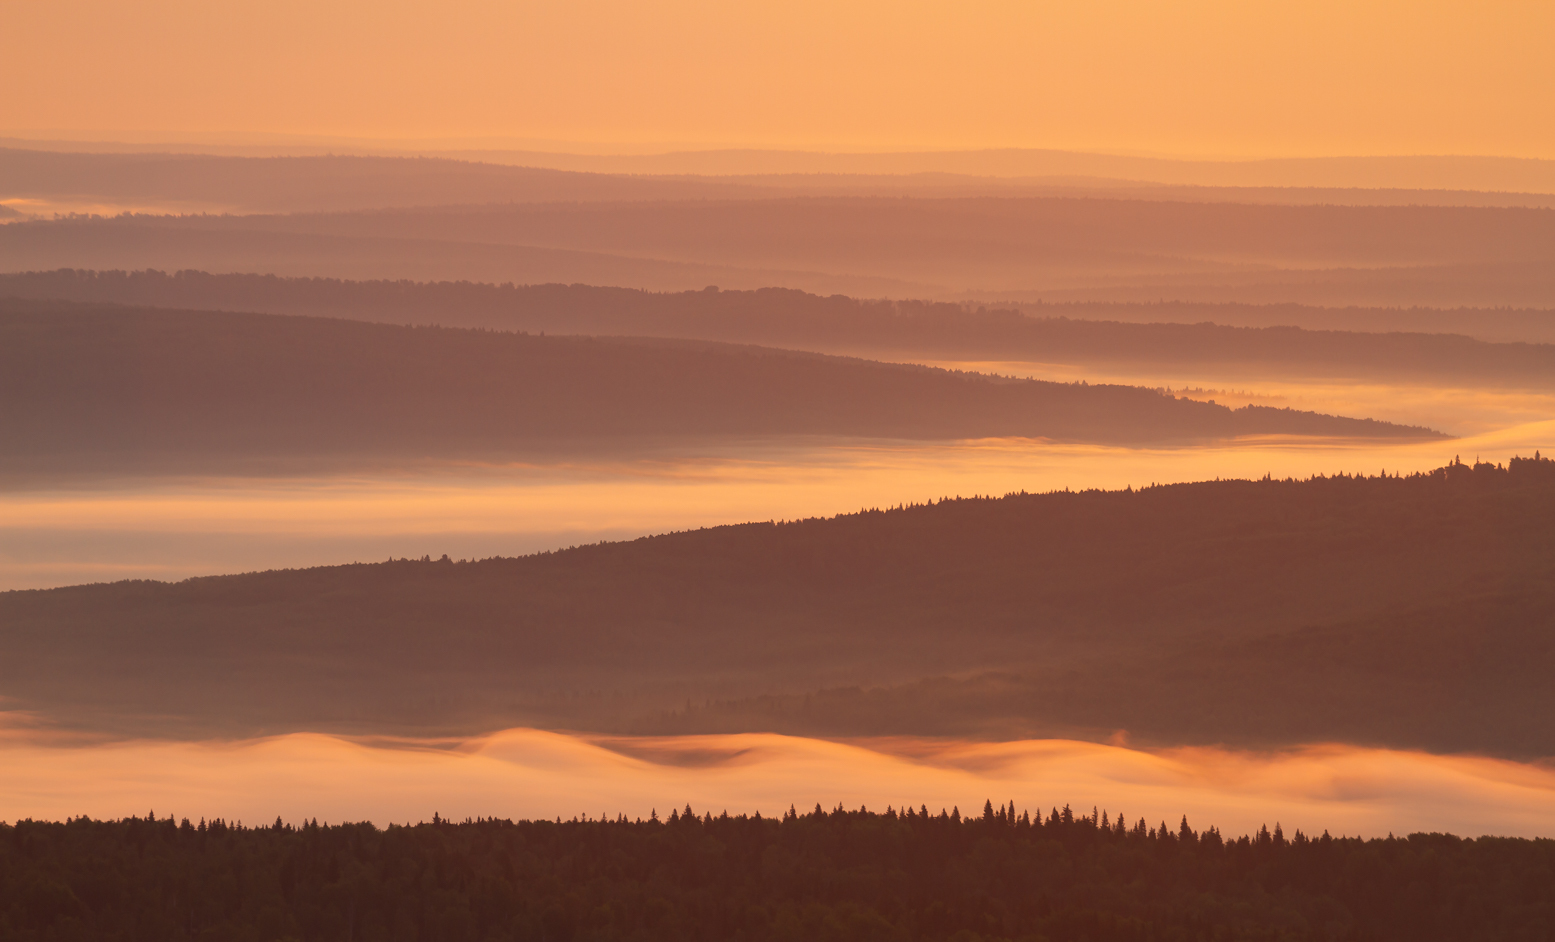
[[1354, 342], [821, 876], [102, 387], [1414, 612]]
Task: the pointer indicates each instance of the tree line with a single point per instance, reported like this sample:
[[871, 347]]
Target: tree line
[[851, 875]]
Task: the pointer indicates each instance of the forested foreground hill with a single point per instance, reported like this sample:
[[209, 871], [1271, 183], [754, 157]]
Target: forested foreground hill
[[1390, 343], [838, 876], [81, 383], [1413, 612]]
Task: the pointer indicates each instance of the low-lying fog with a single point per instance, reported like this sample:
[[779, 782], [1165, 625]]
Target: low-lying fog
[[1455, 410], [161, 528], [524, 773]]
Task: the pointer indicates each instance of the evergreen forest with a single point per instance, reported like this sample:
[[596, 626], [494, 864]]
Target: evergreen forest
[[822, 876]]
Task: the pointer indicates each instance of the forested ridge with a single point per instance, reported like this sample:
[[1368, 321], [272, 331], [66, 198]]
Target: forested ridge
[[1054, 333], [1410, 612], [822, 876], [79, 384]]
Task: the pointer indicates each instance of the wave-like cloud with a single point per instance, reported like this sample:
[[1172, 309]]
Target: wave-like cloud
[[526, 773]]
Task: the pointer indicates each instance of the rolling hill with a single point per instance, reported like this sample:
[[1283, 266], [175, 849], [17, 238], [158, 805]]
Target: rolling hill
[[1409, 344], [101, 388], [1018, 247], [1411, 612]]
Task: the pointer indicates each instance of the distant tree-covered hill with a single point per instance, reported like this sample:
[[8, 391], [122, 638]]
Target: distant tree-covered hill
[[1412, 612], [937, 246], [1370, 343], [822, 876], [84, 386]]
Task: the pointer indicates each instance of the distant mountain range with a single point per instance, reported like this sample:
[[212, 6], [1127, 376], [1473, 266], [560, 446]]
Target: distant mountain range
[[294, 177]]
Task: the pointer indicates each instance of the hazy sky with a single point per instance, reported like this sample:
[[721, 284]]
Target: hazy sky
[[1205, 77]]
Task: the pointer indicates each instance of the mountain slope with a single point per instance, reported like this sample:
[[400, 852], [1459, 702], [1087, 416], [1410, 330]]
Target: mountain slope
[[1159, 335], [1415, 612], [91, 386]]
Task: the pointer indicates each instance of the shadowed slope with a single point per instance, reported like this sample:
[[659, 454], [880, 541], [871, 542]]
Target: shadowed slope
[[87, 387], [1175, 335], [1414, 612]]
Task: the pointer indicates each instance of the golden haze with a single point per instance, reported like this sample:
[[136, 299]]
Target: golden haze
[[1201, 77], [535, 774]]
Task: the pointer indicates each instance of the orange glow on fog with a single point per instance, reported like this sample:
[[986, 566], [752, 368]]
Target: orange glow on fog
[[1455, 410], [172, 529], [523, 773]]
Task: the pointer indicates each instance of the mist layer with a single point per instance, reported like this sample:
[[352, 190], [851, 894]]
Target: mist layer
[[524, 773]]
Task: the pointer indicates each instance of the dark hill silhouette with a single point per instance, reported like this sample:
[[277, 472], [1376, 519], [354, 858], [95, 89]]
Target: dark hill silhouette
[[81, 385], [914, 875], [1412, 612], [1056, 333]]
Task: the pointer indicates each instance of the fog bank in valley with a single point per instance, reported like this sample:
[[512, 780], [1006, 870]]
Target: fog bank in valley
[[525, 773]]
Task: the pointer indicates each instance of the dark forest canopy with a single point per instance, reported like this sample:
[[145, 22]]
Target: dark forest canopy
[[1414, 612], [84, 386], [821, 876], [1109, 334]]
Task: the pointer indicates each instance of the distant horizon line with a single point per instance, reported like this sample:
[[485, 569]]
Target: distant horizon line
[[136, 141]]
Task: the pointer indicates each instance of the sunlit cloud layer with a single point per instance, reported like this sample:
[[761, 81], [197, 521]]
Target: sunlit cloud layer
[[523, 773]]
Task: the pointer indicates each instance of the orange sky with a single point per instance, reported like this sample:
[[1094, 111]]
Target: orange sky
[[1205, 77]]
